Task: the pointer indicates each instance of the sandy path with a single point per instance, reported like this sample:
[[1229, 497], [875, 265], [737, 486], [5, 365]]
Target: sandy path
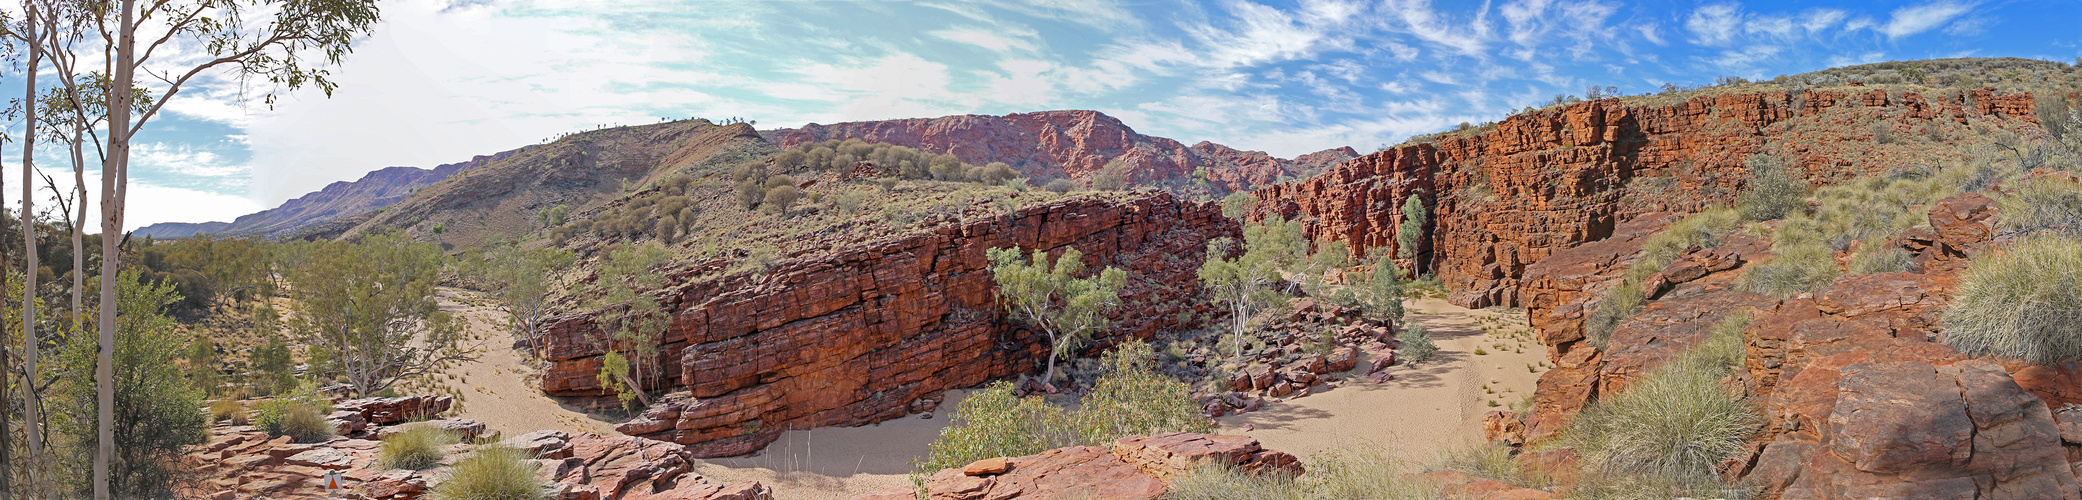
[[497, 388], [1428, 407]]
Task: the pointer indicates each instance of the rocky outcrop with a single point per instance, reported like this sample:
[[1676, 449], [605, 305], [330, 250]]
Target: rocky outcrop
[[855, 335], [1070, 144], [1860, 397], [242, 462], [1541, 182], [1135, 467], [374, 190]]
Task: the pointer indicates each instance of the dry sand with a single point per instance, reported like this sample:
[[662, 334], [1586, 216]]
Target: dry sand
[[1429, 405]]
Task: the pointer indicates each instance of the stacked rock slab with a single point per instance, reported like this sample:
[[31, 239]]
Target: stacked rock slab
[[1132, 468], [1545, 181], [856, 335]]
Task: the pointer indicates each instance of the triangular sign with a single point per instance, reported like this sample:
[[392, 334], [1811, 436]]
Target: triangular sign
[[332, 482]]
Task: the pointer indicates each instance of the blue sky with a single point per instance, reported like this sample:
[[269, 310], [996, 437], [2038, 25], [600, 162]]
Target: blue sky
[[441, 81]]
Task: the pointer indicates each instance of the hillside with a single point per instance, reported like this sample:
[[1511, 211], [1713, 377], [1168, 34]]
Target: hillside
[[373, 191], [1075, 144]]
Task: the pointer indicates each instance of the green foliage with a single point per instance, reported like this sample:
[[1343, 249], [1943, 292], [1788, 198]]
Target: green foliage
[[1115, 176], [1238, 204], [631, 320], [1674, 426], [370, 306], [1417, 346], [1410, 236], [780, 198], [1051, 297], [1703, 229], [299, 414], [520, 278], [750, 192], [1619, 304], [1773, 191], [157, 412], [997, 173], [1243, 284], [272, 366], [202, 365], [1060, 186], [1384, 289], [2021, 303], [492, 473], [1800, 267], [417, 447], [1130, 399], [202, 269]]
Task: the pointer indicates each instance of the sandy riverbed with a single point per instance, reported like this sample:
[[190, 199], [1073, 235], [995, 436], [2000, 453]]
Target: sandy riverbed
[[1428, 406]]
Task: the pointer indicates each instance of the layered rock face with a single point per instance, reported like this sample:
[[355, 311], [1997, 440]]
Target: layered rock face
[[1069, 144], [864, 333], [1541, 182], [1861, 397]]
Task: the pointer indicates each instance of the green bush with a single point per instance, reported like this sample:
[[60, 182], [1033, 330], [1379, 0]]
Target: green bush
[[1773, 191], [1619, 304], [492, 473], [1674, 426], [1417, 346], [1130, 399], [2021, 303], [417, 447], [300, 415], [1060, 186]]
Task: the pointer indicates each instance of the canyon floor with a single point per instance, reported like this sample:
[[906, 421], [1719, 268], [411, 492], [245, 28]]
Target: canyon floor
[[1427, 407]]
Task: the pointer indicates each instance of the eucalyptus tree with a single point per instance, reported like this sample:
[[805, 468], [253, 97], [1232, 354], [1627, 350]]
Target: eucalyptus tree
[[370, 308], [1053, 298]]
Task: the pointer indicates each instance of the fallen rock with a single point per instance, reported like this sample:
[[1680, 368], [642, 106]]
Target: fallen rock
[[398, 409], [986, 467]]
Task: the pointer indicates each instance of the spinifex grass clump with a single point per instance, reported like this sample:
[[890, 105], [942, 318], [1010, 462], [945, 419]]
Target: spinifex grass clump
[[1672, 428], [300, 415], [2021, 303], [418, 447], [1331, 474], [492, 473]]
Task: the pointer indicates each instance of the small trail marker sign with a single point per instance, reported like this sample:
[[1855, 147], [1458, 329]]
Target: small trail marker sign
[[333, 484]]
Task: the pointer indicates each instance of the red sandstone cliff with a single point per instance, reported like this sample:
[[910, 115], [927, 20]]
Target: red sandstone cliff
[[1549, 180], [860, 334], [1072, 144]]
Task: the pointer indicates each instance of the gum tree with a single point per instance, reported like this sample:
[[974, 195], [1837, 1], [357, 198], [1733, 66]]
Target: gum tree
[[1050, 296]]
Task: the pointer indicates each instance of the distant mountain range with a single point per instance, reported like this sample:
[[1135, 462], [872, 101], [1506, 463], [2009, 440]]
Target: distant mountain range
[[1072, 144], [376, 190]]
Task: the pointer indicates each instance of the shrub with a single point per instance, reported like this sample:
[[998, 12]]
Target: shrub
[[2044, 204], [1703, 229], [418, 447], [1799, 268], [1773, 192], [2021, 303], [1881, 259], [750, 193], [1673, 427], [300, 415], [1417, 346], [887, 183], [781, 198], [1619, 304], [228, 408], [1060, 186], [996, 173], [1132, 399], [994, 423], [492, 473], [1411, 235]]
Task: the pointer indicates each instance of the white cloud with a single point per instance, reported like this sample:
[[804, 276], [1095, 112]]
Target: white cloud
[[1417, 18], [1816, 20], [1917, 19], [181, 159], [992, 40], [1714, 24]]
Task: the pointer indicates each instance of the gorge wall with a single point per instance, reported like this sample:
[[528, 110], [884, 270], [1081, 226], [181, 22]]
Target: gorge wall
[[1504, 197], [1070, 144], [866, 333]]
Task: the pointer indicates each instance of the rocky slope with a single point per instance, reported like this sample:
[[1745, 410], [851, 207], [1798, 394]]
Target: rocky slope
[[1507, 196], [1863, 401], [1071, 144], [857, 334], [373, 191], [505, 197]]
